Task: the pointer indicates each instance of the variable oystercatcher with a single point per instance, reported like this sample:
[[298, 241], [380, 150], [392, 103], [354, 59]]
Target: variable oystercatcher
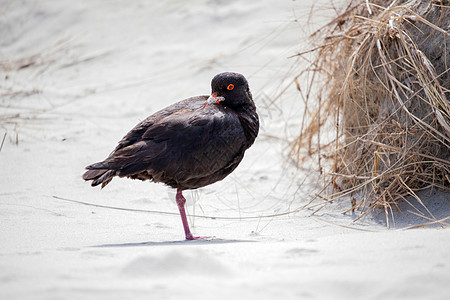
[[189, 144]]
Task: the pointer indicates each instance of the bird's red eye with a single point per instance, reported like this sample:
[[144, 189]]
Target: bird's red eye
[[230, 87]]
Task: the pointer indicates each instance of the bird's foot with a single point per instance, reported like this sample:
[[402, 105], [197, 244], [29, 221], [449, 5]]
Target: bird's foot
[[193, 238], [180, 202]]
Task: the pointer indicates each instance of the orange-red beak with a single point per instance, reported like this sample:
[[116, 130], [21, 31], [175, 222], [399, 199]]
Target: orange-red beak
[[214, 99]]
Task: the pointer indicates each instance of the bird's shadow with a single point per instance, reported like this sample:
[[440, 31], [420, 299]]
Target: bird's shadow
[[173, 243]]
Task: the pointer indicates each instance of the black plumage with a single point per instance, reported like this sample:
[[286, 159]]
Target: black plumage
[[189, 144]]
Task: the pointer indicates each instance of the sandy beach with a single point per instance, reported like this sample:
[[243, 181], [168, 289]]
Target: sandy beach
[[75, 77]]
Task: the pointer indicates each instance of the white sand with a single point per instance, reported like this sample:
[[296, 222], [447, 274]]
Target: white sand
[[102, 66]]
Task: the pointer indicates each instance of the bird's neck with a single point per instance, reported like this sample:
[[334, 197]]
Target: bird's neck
[[250, 122]]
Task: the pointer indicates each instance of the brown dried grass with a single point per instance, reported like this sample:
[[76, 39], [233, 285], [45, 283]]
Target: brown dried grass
[[384, 68]]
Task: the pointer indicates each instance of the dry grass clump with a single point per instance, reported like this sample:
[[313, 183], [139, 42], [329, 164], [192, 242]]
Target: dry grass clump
[[384, 68]]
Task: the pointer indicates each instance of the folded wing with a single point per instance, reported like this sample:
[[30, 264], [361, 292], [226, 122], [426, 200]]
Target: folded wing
[[185, 146]]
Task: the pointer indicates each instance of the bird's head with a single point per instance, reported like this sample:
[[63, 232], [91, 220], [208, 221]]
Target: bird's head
[[234, 89]]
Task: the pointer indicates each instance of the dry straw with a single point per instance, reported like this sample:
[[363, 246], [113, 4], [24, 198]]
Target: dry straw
[[383, 68]]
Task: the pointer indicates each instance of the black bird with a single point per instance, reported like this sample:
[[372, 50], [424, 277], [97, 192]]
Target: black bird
[[189, 144]]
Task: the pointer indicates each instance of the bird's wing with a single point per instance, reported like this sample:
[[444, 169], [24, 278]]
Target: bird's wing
[[135, 135]]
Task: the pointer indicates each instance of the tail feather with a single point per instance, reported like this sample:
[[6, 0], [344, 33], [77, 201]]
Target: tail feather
[[124, 162], [97, 175]]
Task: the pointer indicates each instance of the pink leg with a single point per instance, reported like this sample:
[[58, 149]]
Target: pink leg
[[180, 202]]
